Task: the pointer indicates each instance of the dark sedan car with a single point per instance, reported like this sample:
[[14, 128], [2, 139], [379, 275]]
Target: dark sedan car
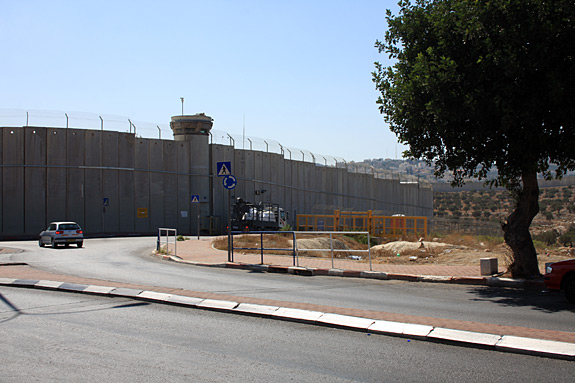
[[561, 276], [64, 233]]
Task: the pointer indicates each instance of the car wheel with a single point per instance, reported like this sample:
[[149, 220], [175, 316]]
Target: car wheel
[[80, 244], [40, 243], [53, 244], [570, 289]]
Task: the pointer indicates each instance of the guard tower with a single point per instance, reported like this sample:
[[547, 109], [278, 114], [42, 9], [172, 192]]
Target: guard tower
[[185, 128], [193, 134]]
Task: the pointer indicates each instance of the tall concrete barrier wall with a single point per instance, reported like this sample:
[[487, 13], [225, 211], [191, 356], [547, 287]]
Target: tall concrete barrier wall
[[116, 183]]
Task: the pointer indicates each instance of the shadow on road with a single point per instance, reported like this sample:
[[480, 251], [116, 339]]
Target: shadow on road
[[545, 301]]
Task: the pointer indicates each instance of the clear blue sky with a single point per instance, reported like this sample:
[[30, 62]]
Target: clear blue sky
[[299, 71]]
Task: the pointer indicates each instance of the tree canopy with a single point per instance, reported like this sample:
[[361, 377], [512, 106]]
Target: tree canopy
[[479, 84]]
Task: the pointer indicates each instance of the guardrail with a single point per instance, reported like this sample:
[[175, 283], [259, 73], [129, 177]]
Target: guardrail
[[294, 249]]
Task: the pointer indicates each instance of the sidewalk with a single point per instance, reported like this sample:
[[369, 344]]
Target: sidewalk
[[515, 339], [200, 252]]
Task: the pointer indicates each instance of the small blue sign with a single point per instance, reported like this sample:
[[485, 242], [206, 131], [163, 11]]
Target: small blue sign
[[230, 182], [195, 198], [224, 168], [106, 202]]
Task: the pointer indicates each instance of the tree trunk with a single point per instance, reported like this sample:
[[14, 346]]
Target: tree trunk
[[516, 230]]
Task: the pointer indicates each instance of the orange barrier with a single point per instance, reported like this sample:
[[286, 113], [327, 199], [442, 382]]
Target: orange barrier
[[386, 226]]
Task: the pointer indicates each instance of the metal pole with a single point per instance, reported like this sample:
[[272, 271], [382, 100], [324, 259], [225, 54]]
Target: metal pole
[[198, 207], [331, 248], [229, 228], [369, 251], [159, 132], [102, 122], [66, 120], [262, 248], [181, 98]]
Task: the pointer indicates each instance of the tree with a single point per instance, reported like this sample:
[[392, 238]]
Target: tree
[[476, 85]]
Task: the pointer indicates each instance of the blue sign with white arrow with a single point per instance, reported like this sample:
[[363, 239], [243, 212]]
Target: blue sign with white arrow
[[230, 182]]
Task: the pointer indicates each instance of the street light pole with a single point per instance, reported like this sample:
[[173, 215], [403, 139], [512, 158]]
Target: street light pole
[[181, 98]]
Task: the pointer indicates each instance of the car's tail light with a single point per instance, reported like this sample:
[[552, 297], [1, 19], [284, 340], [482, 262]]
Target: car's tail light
[[79, 231], [59, 232]]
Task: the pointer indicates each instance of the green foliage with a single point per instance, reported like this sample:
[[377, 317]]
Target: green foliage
[[473, 83], [548, 237], [359, 238], [568, 238], [181, 238], [286, 227]]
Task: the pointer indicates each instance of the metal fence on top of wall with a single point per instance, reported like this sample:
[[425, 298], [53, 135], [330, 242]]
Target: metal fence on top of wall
[[141, 129]]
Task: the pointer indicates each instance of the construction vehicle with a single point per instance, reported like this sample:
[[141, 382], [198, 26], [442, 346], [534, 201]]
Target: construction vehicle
[[263, 216]]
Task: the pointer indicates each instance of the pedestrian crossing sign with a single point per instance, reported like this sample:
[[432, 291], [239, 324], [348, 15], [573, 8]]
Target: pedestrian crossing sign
[[195, 198], [224, 168]]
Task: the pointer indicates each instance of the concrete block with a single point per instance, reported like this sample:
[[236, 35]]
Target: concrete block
[[373, 274], [346, 321], [249, 308], [488, 266], [540, 347], [335, 272], [49, 284], [217, 304], [387, 327], [125, 292], [434, 278], [25, 282], [99, 289], [151, 295], [6, 281], [183, 300], [298, 314], [416, 330], [476, 338], [72, 287]]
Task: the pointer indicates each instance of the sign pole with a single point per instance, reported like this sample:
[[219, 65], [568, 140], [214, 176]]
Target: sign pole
[[229, 228], [198, 208]]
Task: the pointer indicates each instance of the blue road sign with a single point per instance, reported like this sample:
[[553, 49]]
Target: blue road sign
[[195, 198], [230, 182], [106, 202], [224, 168]]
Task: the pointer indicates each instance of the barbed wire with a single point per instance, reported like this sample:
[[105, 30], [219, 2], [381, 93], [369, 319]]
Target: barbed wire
[[86, 120]]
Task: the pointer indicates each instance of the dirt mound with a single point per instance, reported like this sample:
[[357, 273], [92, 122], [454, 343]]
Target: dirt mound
[[399, 247]]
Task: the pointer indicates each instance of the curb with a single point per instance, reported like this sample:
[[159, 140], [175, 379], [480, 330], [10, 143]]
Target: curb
[[495, 342], [489, 281]]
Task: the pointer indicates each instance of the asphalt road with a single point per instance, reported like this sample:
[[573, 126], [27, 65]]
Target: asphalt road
[[53, 337], [129, 260]]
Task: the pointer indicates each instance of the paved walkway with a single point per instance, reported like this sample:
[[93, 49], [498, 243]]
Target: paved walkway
[[201, 251]]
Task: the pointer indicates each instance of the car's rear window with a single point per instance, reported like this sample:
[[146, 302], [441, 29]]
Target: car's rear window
[[69, 226]]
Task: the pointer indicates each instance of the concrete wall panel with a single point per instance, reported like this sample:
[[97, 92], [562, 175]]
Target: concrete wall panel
[[110, 182], [170, 165], [75, 178], [126, 186], [13, 181], [185, 210], [34, 180], [142, 185]]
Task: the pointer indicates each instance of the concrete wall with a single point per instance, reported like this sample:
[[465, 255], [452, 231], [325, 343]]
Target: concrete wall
[[51, 174]]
